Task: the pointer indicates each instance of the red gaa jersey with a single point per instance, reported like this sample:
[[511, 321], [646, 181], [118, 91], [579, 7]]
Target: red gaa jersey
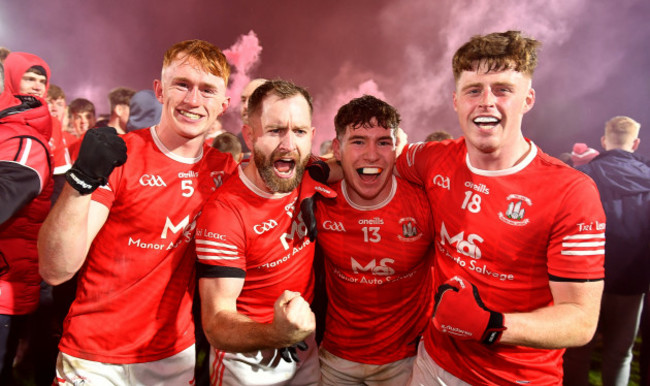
[[134, 295], [509, 232], [378, 273], [246, 232]]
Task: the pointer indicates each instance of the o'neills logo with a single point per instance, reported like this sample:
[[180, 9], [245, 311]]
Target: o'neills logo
[[481, 188], [374, 221], [190, 174]]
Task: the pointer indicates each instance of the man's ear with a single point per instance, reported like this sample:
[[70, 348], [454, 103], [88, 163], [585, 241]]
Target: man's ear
[[224, 106], [336, 148], [529, 101], [247, 133], [157, 89]]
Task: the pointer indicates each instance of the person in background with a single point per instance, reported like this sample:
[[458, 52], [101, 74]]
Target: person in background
[[228, 143], [623, 180], [439, 135], [243, 111], [581, 154], [119, 99], [25, 188], [145, 110]]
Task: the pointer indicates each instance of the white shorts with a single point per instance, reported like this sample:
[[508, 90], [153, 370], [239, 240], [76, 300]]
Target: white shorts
[[264, 367], [338, 371], [426, 372], [176, 370]]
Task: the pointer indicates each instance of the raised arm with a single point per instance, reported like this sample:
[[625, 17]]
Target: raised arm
[[73, 222], [66, 235], [229, 330]]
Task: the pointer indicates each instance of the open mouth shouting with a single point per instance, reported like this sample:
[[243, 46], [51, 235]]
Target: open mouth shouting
[[369, 173], [284, 167]]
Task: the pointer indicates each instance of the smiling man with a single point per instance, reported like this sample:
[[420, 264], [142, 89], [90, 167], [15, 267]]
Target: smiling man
[[255, 257], [519, 235], [127, 225], [376, 238]]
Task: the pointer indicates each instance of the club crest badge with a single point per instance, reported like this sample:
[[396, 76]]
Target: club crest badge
[[410, 230], [515, 213]]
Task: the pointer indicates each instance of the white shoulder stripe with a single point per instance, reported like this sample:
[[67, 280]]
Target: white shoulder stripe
[[215, 250], [585, 236], [593, 252], [215, 243], [584, 244]]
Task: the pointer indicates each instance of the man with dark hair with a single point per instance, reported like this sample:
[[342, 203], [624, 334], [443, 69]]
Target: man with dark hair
[[127, 226], [228, 143], [25, 189], [519, 234], [119, 99], [255, 255], [376, 240]]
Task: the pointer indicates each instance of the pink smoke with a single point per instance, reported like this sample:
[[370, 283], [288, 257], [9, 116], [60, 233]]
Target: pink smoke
[[243, 56]]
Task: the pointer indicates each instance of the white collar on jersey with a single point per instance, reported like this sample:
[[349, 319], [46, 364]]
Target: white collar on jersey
[[168, 152], [250, 185], [504, 172], [366, 208]]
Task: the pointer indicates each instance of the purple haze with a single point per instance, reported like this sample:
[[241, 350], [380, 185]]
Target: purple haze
[[594, 61]]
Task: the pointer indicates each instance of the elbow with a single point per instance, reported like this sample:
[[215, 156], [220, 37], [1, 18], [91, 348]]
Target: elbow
[[53, 278]]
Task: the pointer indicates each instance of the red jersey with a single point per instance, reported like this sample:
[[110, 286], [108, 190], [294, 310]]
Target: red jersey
[[62, 161], [246, 232], [509, 232], [378, 273], [134, 295], [24, 130]]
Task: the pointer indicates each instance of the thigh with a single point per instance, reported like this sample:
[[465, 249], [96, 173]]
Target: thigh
[[177, 369], [74, 371], [426, 372], [264, 368]]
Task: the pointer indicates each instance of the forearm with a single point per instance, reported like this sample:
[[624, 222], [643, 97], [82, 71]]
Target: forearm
[[63, 238], [558, 326], [234, 332]]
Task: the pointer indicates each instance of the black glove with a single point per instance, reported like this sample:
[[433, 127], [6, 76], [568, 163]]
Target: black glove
[[318, 169], [101, 151], [308, 217], [289, 353]]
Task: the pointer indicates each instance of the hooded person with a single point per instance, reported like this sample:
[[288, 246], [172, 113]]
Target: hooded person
[[25, 190], [24, 74], [145, 110]]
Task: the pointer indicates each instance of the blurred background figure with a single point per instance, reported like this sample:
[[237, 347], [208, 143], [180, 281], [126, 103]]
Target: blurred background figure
[[439, 135], [582, 154], [119, 99], [144, 111], [228, 143]]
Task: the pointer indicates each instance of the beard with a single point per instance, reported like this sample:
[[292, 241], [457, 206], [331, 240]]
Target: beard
[[265, 167]]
